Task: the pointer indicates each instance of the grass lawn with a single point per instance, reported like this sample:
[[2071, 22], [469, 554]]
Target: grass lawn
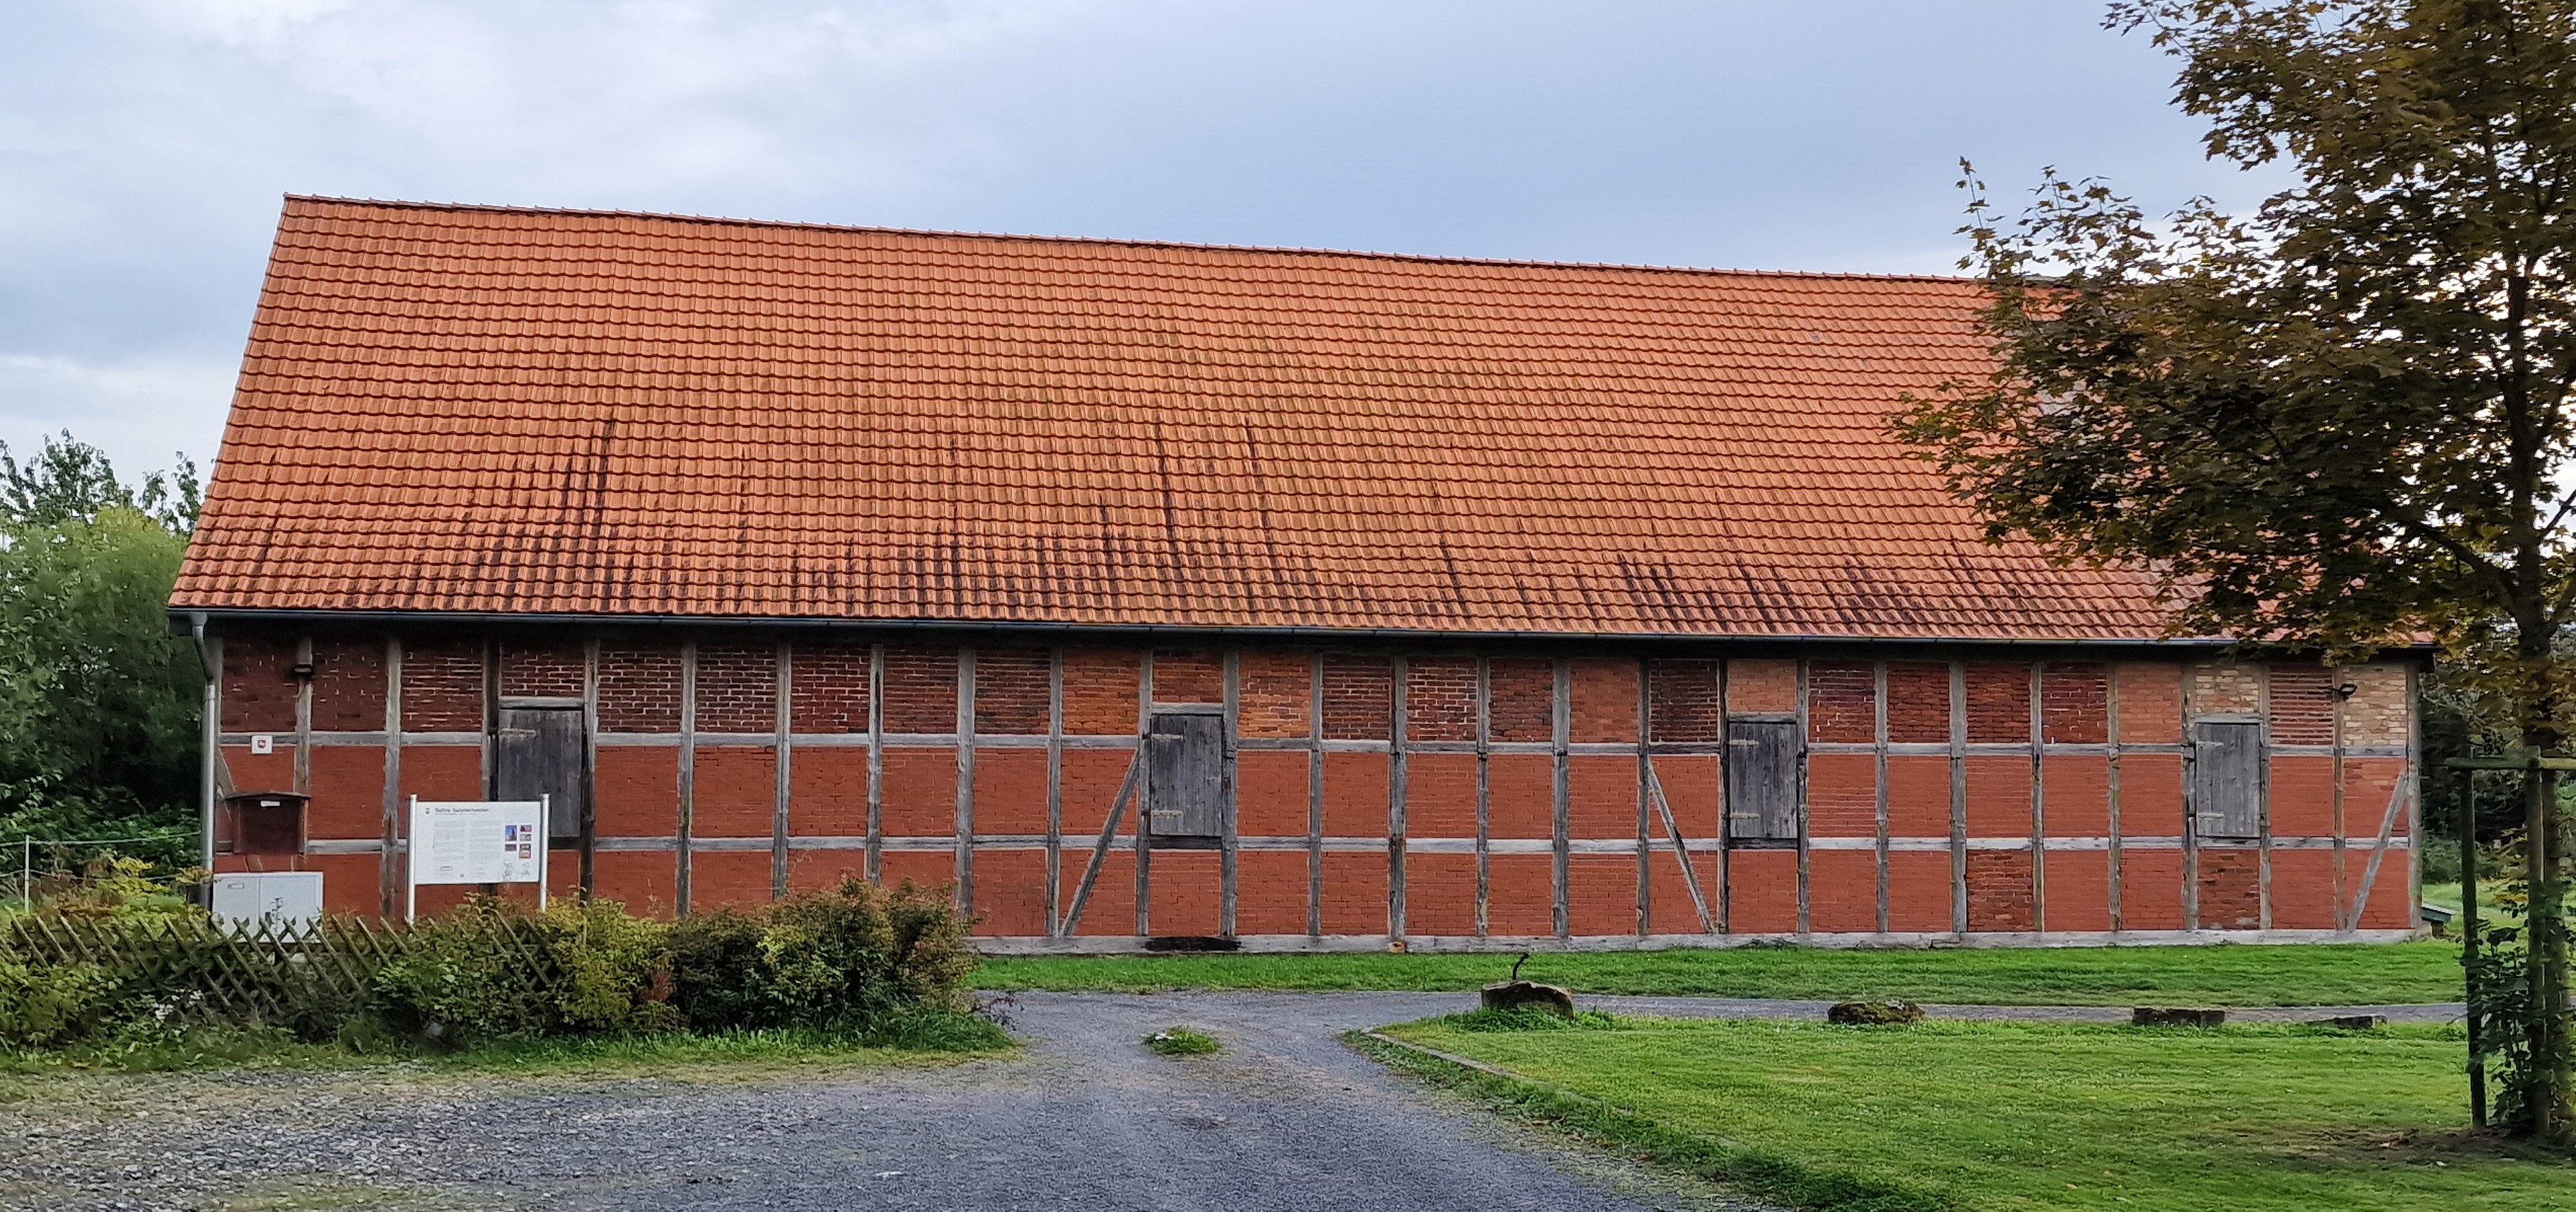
[[2015, 1116], [2489, 907], [2322, 975]]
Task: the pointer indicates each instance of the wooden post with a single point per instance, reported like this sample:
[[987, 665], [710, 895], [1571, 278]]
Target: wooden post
[[1227, 858], [2471, 936], [1315, 795], [876, 763], [2038, 798], [1799, 803], [2344, 920], [1400, 673], [1646, 801], [687, 829], [2190, 799], [1484, 792], [1055, 793], [965, 840], [2263, 799], [783, 769], [2111, 776], [388, 854], [1563, 710], [1878, 746], [1725, 897], [1958, 797], [304, 716], [587, 875], [1144, 798]]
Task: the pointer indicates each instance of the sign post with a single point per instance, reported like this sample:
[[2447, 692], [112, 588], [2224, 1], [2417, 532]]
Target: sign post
[[476, 842]]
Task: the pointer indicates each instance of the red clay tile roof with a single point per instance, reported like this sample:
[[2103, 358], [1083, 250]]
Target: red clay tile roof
[[462, 409]]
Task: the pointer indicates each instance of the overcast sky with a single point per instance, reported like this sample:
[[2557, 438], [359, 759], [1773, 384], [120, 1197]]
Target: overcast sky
[[144, 144]]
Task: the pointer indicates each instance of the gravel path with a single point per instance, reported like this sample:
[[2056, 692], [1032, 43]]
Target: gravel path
[[1285, 1117]]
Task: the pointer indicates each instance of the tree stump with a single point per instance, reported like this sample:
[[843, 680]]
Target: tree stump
[[1516, 995], [1874, 1014]]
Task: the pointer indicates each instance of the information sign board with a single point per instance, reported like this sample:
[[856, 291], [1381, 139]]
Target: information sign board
[[478, 842]]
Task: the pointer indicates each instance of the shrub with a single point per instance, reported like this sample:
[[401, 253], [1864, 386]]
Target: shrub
[[468, 975], [850, 957], [492, 969], [117, 888], [42, 1005], [615, 968], [854, 962]]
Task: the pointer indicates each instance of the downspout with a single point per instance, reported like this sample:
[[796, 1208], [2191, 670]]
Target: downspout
[[210, 734]]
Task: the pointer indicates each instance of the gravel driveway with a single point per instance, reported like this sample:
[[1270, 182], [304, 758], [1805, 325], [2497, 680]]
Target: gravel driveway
[[1285, 1117]]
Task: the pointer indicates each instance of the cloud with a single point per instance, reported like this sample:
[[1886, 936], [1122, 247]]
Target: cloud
[[139, 412], [144, 143]]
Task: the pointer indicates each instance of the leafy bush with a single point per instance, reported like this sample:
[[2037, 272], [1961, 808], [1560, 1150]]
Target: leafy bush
[[492, 969], [43, 1005], [847, 957], [615, 968], [116, 888], [854, 963]]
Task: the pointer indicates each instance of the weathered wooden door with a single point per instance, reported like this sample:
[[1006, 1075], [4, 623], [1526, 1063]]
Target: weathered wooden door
[[1185, 786], [540, 751], [1762, 780], [2227, 778]]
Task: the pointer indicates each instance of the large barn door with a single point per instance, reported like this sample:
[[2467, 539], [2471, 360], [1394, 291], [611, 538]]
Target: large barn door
[[1185, 775], [539, 752]]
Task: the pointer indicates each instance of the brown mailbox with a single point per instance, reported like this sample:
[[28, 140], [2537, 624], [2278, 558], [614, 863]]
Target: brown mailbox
[[261, 822]]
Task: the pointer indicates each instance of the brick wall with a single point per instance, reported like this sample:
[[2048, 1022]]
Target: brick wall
[[737, 688], [2111, 848]]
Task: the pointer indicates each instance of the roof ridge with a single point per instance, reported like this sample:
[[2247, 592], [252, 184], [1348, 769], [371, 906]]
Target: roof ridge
[[1116, 241]]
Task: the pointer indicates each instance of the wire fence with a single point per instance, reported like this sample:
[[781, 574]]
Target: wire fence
[[35, 865]]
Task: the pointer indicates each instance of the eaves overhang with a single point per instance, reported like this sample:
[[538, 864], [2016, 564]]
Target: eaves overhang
[[182, 619]]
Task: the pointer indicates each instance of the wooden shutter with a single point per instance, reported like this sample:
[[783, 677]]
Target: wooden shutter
[[1185, 774], [2227, 779], [539, 752], [1762, 780]]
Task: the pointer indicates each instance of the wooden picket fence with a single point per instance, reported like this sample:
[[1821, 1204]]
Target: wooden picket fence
[[199, 970]]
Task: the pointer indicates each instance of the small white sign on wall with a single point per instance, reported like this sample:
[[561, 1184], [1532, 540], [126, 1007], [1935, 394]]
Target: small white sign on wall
[[477, 842]]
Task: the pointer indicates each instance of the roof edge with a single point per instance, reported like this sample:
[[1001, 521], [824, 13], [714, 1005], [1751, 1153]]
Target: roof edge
[[1116, 241], [182, 616]]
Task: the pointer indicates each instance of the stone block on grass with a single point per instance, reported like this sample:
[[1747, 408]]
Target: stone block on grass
[[2176, 1016], [1894, 1013]]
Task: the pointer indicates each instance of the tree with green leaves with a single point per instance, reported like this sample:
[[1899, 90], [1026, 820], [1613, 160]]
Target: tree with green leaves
[[98, 702], [2343, 418]]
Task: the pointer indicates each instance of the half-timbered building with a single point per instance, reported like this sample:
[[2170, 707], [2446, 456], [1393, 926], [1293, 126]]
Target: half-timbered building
[[1168, 595]]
